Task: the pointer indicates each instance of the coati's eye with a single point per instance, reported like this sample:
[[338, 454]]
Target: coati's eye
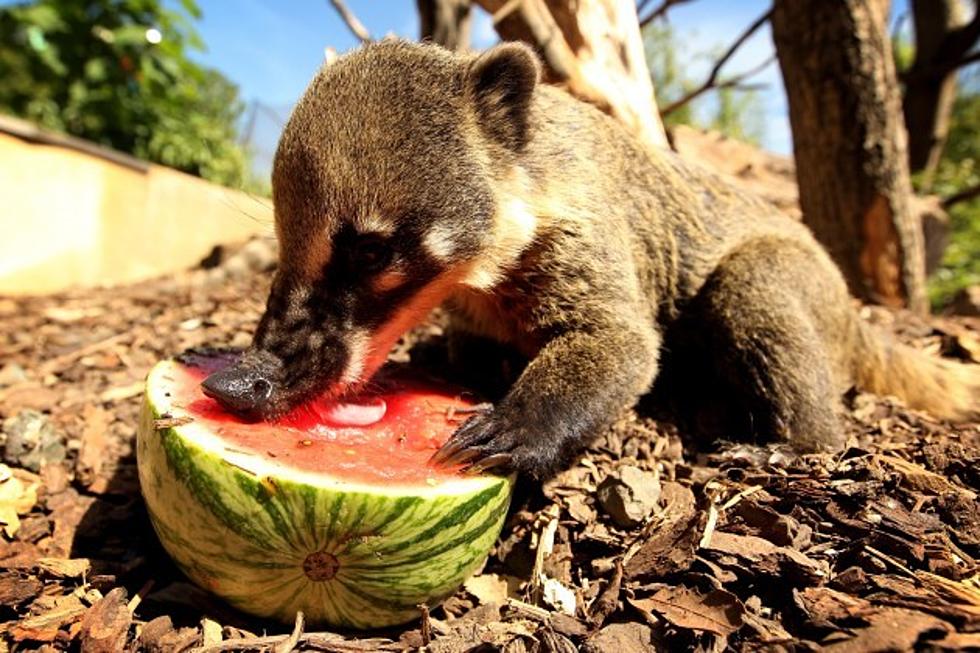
[[371, 254]]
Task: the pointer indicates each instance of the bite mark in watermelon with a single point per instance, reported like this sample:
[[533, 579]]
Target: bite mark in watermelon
[[348, 523]]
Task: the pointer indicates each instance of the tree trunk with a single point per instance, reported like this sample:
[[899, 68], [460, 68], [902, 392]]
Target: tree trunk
[[930, 85], [849, 143], [446, 22], [594, 49]]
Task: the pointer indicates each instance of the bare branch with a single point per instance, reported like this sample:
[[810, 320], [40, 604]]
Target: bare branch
[[954, 52], [940, 69], [732, 82], [658, 12], [353, 24], [973, 57], [899, 23], [712, 79], [641, 6], [749, 31], [962, 40], [964, 195]]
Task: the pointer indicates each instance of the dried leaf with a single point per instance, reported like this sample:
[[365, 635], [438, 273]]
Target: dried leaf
[[673, 541], [488, 588], [717, 612]]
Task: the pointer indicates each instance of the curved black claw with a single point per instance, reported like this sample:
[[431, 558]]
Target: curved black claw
[[464, 445], [489, 441], [458, 456], [504, 461]]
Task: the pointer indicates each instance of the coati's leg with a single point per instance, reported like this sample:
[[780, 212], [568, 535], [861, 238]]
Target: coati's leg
[[575, 387], [760, 316]]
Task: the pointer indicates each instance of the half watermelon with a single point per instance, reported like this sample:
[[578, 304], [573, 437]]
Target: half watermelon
[[332, 510]]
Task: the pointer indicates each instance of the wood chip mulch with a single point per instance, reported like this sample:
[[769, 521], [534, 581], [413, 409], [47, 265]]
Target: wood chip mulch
[[646, 544]]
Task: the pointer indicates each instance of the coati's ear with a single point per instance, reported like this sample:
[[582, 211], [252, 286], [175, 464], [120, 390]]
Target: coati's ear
[[501, 82]]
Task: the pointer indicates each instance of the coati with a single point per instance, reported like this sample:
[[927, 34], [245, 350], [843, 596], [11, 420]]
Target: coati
[[409, 177]]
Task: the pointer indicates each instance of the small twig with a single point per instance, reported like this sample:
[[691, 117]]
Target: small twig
[[326, 642], [138, 597], [425, 627], [658, 12], [734, 82], [712, 79], [545, 545], [527, 610], [506, 10], [752, 489], [607, 602], [353, 24], [964, 195], [641, 6], [288, 644], [709, 526], [939, 69], [892, 561]]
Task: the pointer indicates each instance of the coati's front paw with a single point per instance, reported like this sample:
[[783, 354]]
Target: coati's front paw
[[493, 441]]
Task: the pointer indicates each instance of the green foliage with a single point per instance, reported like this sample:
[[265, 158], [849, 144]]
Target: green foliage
[[958, 170], [737, 115], [117, 72], [733, 112]]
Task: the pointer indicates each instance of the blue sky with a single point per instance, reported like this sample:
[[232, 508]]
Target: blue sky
[[272, 48]]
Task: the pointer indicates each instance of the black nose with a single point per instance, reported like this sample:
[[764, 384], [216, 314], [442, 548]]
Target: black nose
[[239, 389]]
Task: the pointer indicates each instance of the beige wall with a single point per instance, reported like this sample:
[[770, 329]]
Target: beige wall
[[72, 218]]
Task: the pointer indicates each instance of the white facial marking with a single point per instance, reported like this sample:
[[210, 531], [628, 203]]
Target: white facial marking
[[439, 243], [357, 347], [514, 229], [375, 224]]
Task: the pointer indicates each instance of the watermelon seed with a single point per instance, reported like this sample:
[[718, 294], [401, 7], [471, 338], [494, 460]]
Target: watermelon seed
[[320, 566], [306, 443], [269, 485]]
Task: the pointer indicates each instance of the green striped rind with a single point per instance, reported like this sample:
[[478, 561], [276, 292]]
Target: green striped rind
[[243, 531]]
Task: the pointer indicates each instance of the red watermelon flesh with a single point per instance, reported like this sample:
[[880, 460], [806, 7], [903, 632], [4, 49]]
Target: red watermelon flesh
[[382, 438]]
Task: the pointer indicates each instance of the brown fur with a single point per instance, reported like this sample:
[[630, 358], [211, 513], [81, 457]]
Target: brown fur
[[542, 223]]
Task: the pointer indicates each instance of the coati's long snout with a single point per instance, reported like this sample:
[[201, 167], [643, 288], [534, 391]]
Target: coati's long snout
[[248, 386], [297, 352]]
